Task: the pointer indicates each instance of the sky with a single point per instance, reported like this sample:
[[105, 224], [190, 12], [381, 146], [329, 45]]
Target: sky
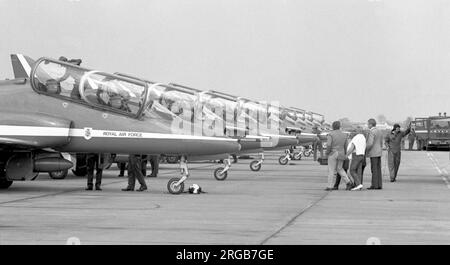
[[341, 58]]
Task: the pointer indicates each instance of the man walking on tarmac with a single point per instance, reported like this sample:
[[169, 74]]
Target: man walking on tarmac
[[135, 172], [393, 142]]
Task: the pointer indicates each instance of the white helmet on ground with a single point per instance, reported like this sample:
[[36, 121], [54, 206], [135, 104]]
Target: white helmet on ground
[[195, 189]]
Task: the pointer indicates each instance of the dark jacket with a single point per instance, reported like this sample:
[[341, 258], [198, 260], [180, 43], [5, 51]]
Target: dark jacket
[[394, 140]]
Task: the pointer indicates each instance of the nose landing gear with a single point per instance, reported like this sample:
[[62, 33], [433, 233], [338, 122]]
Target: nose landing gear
[[284, 159], [176, 185], [221, 173], [256, 164]]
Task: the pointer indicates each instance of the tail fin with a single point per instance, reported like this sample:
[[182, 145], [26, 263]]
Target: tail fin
[[21, 65]]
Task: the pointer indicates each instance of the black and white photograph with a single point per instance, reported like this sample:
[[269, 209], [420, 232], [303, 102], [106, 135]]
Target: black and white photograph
[[202, 123]]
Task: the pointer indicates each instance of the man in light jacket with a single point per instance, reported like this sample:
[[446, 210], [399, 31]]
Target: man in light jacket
[[374, 150], [336, 150]]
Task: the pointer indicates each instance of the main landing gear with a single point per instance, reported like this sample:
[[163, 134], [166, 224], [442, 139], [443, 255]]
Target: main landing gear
[[255, 165]]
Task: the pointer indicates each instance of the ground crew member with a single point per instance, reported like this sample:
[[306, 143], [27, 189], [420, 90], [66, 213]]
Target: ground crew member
[[135, 172], [393, 142], [154, 162], [144, 159], [122, 167], [94, 161]]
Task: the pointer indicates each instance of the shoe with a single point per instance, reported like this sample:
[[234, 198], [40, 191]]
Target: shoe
[[371, 188], [359, 187], [392, 180], [120, 175], [98, 188], [329, 189], [89, 188], [142, 188], [151, 176], [349, 186], [128, 189]]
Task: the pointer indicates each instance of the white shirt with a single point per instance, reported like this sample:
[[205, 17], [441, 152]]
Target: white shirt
[[360, 144]]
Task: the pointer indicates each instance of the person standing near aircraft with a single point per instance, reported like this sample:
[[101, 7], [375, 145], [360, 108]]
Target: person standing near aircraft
[[154, 162], [336, 146], [135, 172], [144, 159], [374, 150], [357, 149], [94, 161], [122, 166], [393, 142], [317, 142]]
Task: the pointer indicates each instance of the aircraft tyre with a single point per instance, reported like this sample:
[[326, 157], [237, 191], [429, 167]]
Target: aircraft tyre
[[282, 160], [173, 188], [297, 156], [220, 176], [255, 165]]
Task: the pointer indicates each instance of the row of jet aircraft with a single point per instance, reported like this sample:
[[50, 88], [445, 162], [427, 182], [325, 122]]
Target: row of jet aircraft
[[53, 110]]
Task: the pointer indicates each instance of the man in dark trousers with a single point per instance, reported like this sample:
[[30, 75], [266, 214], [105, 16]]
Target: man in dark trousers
[[154, 162], [94, 161], [374, 150], [144, 159], [393, 142], [122, 167], [135, 172]]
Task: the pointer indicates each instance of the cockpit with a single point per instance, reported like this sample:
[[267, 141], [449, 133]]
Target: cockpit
[[95, 88]]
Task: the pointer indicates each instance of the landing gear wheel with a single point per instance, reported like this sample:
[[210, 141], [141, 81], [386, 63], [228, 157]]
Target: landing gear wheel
[[255, 165], [173, 188], [282, 160], [4, 183], [62, 174], [297, 156], [220, 176]]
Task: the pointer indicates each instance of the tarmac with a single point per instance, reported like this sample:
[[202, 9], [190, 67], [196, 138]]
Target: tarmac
[[277, 205]]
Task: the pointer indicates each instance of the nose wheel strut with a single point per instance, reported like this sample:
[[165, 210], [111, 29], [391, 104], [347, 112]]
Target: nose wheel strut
[[176, 185]]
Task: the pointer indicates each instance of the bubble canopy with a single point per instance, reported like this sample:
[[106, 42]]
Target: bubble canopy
[[117, 93], [95, 88]]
